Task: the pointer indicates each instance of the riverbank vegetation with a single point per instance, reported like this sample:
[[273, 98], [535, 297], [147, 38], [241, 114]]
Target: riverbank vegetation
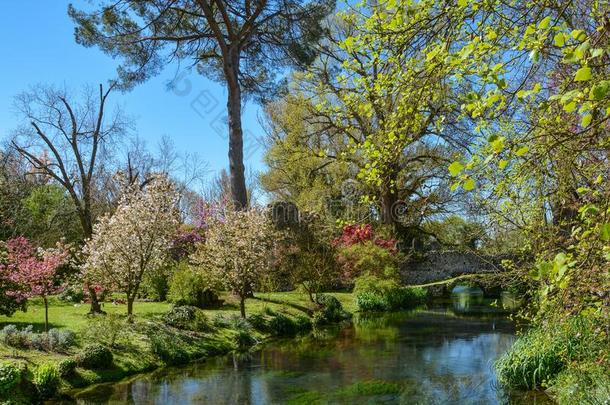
[[82, 350], [395, 128]]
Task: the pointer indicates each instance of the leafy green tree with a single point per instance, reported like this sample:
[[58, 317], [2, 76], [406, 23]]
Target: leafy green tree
[[364, 111], [15, 186], [542, 163], [297, 172], [242, 43], [51, 215], [457, 232]]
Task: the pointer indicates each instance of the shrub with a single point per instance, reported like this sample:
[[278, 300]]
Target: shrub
[[367, 258], [12, 336], [164, 346], [188, 287], [187, 318], [317, 319], [361, 253], [94, 356], [303, 323], [405, 298], [375, 294], [9, 377], [66, 367], [281, 325], [243, 340], [55, 340], [374, 284], [220, 321], [46, 380], [107, 329], [258, 322], [38, 341], [330, 310], [371, 302], [61, 340]]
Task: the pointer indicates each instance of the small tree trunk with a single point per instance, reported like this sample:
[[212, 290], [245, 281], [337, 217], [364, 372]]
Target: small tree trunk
[[310, 293], [130, 305], [236, 142], [242, 305], [46, 314], [95, 308]]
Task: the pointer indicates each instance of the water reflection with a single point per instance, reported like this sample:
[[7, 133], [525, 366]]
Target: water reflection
[[436, 355]]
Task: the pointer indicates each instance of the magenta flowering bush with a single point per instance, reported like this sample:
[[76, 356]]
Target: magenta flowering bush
[[185, 243], [355, 233], [361, 253]]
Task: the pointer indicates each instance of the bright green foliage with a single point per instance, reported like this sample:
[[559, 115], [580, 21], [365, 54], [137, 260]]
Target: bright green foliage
[[282, 325], [52, 215], [583, 383], [375, 294], [190, 287], [365, 107], [455, 232], [9, 377], [297, 171], [543, 354], [532, 362], [46, 380], [367, 258]]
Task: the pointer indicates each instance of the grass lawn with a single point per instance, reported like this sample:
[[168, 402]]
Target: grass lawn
[[74, 316], [138, 349]]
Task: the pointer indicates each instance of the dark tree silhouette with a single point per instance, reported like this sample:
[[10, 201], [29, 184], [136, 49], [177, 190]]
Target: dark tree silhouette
[[65, 141]]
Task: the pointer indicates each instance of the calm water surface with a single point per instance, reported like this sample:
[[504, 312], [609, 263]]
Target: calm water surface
[[442, 354]]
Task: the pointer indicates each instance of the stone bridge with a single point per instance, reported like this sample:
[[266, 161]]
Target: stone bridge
[[443, 265]]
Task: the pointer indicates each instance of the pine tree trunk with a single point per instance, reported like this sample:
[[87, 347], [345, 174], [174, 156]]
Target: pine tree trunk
[[236, 142]]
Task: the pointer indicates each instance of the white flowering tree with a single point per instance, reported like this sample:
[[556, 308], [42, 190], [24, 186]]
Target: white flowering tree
[[135, 239], [237, 251]]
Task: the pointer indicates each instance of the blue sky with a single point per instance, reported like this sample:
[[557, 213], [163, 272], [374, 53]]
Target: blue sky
[[38, 47]]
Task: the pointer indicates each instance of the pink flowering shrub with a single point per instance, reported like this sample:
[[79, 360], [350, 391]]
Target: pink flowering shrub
[[33, 272]]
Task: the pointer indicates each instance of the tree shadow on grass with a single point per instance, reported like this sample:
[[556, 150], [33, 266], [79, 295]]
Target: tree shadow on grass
[[37, 327], [302, 308]]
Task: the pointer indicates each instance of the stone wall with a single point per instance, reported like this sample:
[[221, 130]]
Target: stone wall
[[439, 265]]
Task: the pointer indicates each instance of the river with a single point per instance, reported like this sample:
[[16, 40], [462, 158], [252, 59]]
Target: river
[[441, 354]]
